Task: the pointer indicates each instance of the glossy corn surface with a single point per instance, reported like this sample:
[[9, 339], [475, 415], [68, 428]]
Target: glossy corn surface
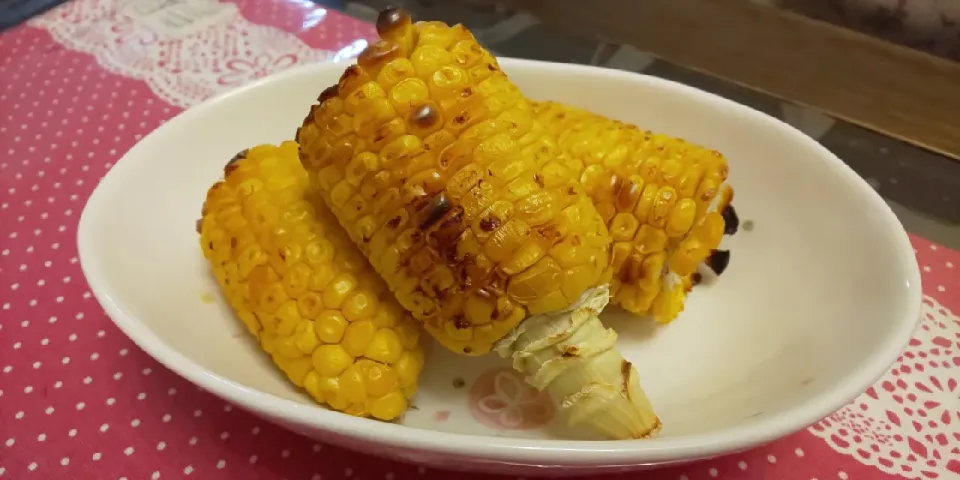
[[655, 194], [304, 291], [438, 169]]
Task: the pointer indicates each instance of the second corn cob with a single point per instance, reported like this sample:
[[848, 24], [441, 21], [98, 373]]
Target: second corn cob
[[436, 166], [304, 291], [663, 199]]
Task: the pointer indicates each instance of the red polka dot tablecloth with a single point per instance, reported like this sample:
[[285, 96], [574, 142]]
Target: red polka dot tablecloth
[[82, 83]]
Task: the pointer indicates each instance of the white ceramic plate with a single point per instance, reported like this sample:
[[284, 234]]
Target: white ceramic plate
[[820, 297]]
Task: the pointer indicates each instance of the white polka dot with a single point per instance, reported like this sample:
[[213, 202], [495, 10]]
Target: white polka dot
[[72, 432], [192, 441], [224, 435], [64, 461], [104, 427], [7, 369], [317, 447], [141, 396], [933, 247], [128, 451], [116, 376], [72, 337], [316, 476], [255, 430], [221, 464], [798, 452], [135, 423], [348, 472], [97, 456], [771, 459], [27, 389], [926, 268], [58, 384], [94, 356], [32, 466], [941, 288], [16, 346], [188, 470], [10, 442], [65, 360], [80, 405], [949, 264], [253, 459], [172, 392], [742, 465], [19, 415], [714, 472], [227, 408], [389, 476], [197, 413], [285, 453], [166, 418], [45, 341], [147, 371], [49, 410], [161, 446], [42, 437], [155, 476]]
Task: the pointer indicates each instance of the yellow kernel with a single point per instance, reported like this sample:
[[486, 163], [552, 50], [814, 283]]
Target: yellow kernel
[[310, 305], [330, 360], [322, 275], [286, 347], [358, 337], [338, 290], [311, 383], [380, 380], [305, 337], [389, 406], [289, 316], [360, 305], [385, 346], [330, 326], [352, 386], [297, 280], [387, 315], [624, 227], [330, 387], [408, 368], [681, 218]]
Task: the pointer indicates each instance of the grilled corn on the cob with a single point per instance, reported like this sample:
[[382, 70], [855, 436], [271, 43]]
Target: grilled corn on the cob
[[302, 288], [662, 198], [438, 169]]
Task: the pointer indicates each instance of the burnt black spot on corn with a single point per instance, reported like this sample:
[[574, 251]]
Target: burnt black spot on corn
[[718, 261], [730, 219]]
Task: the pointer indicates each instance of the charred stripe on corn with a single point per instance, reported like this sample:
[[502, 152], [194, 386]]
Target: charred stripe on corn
[[437, 167], [302, 288]]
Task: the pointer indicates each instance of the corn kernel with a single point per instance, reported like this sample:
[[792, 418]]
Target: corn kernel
[[358, 337], [331, 360], [388, 406], [385, 346], [352, 387]]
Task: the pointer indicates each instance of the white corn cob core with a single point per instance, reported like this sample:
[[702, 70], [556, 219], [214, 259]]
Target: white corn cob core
[[572, 356]]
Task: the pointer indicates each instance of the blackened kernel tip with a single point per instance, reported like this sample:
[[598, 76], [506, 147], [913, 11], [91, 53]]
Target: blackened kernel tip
[[199, 225], [435, 209], [425, 116], [731, 222], [718, 261], [391, 17], [328, 93]]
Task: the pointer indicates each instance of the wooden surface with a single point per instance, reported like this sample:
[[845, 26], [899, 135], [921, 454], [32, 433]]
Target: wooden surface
[[900, 92]]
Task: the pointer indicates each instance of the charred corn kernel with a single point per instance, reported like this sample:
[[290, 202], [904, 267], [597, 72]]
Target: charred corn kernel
[[653, 193], [486, 205], [296, 281]]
